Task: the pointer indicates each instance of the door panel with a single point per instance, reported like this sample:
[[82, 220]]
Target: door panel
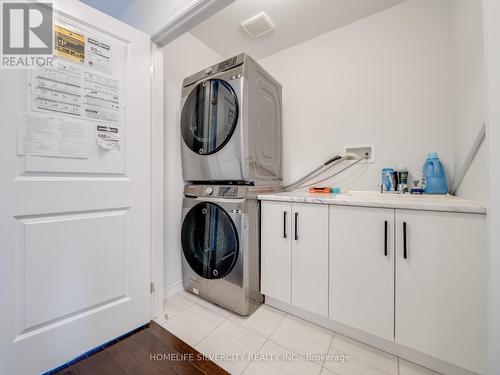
[[310, 257], [276, 256], [74, 260], [82, 247], [362, 271], [440, 286]]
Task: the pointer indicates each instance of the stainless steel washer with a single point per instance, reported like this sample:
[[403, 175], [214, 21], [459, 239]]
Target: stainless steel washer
[[231, 124], [220, 243]]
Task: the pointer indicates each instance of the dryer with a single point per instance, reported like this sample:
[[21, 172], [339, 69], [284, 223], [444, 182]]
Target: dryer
[[231, 124]]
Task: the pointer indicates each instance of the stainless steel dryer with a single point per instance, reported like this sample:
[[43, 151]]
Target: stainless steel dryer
[[231, 124], [220, 245]]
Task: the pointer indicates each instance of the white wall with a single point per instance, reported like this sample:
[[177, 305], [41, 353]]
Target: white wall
[[384, 79], [184, 56], [492, 29], [152, 15], [468, 94]]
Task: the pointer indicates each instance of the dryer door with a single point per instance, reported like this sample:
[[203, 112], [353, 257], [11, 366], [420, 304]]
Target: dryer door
[[209, 240], [209, 116]]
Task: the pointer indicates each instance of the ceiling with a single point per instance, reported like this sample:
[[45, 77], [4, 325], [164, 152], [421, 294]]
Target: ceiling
[[295, 21], [114, 7]]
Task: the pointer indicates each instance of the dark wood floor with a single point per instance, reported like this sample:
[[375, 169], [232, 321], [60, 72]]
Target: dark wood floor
[[133, 356]]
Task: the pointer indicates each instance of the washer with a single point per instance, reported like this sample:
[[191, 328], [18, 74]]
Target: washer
[[231, 124], [220, 245]]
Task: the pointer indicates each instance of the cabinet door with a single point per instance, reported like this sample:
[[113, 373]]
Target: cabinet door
[[440, 286], [276, 255], [362, 268], [310, 257]]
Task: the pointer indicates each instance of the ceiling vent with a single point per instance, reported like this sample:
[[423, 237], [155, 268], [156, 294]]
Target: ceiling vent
[[258, 25]]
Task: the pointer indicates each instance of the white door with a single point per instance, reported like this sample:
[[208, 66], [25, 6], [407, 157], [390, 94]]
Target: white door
[[74, 232], [276, 251], [310, 257], [362, 268], [440, 286]]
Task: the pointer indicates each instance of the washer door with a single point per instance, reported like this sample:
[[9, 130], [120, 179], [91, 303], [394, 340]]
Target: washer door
[[209, 116], [209, 240]]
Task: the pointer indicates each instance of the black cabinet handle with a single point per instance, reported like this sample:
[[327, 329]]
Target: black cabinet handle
[[405, 254], [296, 226], [385, 238], [284, 225]]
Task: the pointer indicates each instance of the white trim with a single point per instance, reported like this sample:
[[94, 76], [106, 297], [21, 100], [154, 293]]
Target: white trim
[[366, 338], [173, 289], [187, 15], [157, 173]]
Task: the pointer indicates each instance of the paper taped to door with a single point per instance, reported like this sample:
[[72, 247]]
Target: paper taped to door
[[45, 135], [108, 137]]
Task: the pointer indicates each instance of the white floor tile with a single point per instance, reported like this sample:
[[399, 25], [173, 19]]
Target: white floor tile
[[193, 324], [325, 371], [409, 368], [263, 321], [232, 341], [302, 337], [273, 359], [362, 360], [215, 308], [190, 296], [177, 304]]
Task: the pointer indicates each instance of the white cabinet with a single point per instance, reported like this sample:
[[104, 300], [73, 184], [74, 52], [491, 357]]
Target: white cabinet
[[276, 252], [310, 257], [362, 268], [416, 278], [440, 286], [294, 260]]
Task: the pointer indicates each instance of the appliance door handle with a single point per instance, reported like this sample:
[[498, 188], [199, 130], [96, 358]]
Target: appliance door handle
[[405, 250], [385, 237], [284, 225], [296, 226]]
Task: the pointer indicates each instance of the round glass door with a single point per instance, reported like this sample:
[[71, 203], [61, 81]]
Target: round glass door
[[209, 116], [209, 241]]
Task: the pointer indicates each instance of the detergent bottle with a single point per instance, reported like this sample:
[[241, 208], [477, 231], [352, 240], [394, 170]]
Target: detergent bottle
[[434, 176]]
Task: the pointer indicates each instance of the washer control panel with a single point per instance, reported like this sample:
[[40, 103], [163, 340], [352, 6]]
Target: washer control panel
[[217, 191], [228, 191]]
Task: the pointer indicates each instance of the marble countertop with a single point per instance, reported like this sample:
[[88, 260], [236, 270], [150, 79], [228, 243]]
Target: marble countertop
[[446, 203]]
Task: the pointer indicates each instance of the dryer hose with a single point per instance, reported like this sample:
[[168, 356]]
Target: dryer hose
[[305, 181]]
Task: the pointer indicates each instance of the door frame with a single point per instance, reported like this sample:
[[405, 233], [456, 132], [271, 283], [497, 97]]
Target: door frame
[[157, 181]]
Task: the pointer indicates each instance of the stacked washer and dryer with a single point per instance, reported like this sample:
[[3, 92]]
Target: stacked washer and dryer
[[231, 152]]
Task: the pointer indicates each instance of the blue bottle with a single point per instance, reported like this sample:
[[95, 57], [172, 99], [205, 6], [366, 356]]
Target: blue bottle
[[434, 176]]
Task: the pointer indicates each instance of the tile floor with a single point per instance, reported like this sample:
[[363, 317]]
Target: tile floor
[[274, 342]]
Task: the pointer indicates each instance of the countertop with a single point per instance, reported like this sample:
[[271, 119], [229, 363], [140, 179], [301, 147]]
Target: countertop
[[445, 203]]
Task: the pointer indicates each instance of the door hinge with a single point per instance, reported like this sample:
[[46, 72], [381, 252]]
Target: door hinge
[[151, 287]]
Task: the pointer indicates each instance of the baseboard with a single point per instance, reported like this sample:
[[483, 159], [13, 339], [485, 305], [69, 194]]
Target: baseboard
[[366, 338], [173, 289]]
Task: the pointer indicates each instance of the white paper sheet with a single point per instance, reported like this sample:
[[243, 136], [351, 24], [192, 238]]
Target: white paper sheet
[[57, 136], [102, 98], [98, 55], [58, 89], [108, 137]]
